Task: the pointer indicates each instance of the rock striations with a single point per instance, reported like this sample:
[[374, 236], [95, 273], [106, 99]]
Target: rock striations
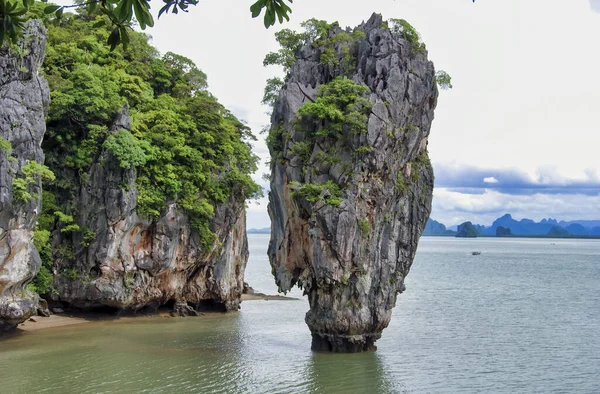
[[130, 262], [24, 99], [350, 194]]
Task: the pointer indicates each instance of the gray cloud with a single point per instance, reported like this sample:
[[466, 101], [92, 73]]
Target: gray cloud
[[452, 207], [595, 4], [474, 180]]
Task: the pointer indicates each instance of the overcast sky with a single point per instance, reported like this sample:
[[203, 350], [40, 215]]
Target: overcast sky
[[519, 131]]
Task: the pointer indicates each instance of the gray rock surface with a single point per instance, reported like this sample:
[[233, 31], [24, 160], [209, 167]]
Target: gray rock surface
[[24, 100], [352, 260], [132, 262]]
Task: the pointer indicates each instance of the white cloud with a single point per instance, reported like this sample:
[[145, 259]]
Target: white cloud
[[490, 179], [451, 207], [595, 4]]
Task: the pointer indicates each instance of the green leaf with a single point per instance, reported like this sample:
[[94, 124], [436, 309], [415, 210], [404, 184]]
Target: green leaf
[[51, 9], [164, 9], [59, 13], [98, 24], [124, 10], [144, 17], [20, 12], [92, 7], [257, 7], [149, 19], [114, 38], [124, 36], [269, 17]]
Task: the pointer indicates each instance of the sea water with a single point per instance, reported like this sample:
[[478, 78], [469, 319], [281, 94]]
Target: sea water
[[522, 317]]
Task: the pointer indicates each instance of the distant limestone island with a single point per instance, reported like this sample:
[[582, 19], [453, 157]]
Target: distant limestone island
[[506, 226], [266, 230]]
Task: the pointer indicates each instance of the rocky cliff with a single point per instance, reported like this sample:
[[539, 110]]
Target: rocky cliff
[[124, 261], [24, 99], [351, 181]]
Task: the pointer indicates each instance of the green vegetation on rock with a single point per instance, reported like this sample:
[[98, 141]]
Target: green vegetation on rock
[[408, 32], [341, 106], [365, 227], [126, 148], [5, 146], [335, 48], [443, 79], [32, 173], [330, 193], [183, 144]]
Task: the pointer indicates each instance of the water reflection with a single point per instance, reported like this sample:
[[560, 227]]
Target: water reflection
[[350, 373], [449, 334]]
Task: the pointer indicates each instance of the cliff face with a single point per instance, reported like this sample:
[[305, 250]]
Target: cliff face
[[24, 99], [351, 244], [124, 261]]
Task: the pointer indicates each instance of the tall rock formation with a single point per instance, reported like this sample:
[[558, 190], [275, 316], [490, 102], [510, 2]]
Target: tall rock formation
[[349, 199], [24, 99], [124, 261]]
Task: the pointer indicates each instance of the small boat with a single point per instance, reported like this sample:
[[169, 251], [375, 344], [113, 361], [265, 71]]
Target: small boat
[[475, 253]]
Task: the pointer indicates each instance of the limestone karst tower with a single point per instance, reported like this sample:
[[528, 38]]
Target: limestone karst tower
[[351, 181]]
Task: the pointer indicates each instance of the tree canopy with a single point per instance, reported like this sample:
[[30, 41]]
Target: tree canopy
[[184, 145]]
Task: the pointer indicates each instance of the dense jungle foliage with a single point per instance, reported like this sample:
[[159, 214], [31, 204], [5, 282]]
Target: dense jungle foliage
[[183, 144]]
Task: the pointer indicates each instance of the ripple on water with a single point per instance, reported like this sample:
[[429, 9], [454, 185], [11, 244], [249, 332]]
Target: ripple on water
[[521, 317]]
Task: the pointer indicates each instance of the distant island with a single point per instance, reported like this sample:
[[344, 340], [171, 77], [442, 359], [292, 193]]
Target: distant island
[[466, 230], [266, 230], [506, 226]]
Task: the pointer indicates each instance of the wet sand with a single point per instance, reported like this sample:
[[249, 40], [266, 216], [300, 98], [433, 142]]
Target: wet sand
[[265, 297], [60, 320], [40, 322]]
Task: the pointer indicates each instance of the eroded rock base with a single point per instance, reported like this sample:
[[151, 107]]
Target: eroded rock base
[[344, 344]]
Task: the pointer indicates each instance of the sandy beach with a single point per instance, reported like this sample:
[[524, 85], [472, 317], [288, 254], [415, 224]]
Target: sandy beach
[[39, 322], [60, 320]]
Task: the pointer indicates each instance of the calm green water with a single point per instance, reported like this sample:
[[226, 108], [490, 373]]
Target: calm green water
[[523, 317]]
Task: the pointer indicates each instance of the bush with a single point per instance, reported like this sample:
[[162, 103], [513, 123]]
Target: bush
[[341, 104], [126, 148], [365, 227], [5, 146], [408, 32], [330, 192], [443, 79]]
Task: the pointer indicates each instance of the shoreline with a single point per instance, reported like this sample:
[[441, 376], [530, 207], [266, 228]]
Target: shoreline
[[37, 323], [41, 322], [254, 296]]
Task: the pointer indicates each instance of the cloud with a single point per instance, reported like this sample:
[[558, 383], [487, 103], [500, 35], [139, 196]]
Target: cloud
[[547, 180], [595, 4], [452, 207]]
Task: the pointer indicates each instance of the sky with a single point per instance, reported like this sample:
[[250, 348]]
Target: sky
[[517, 134]]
